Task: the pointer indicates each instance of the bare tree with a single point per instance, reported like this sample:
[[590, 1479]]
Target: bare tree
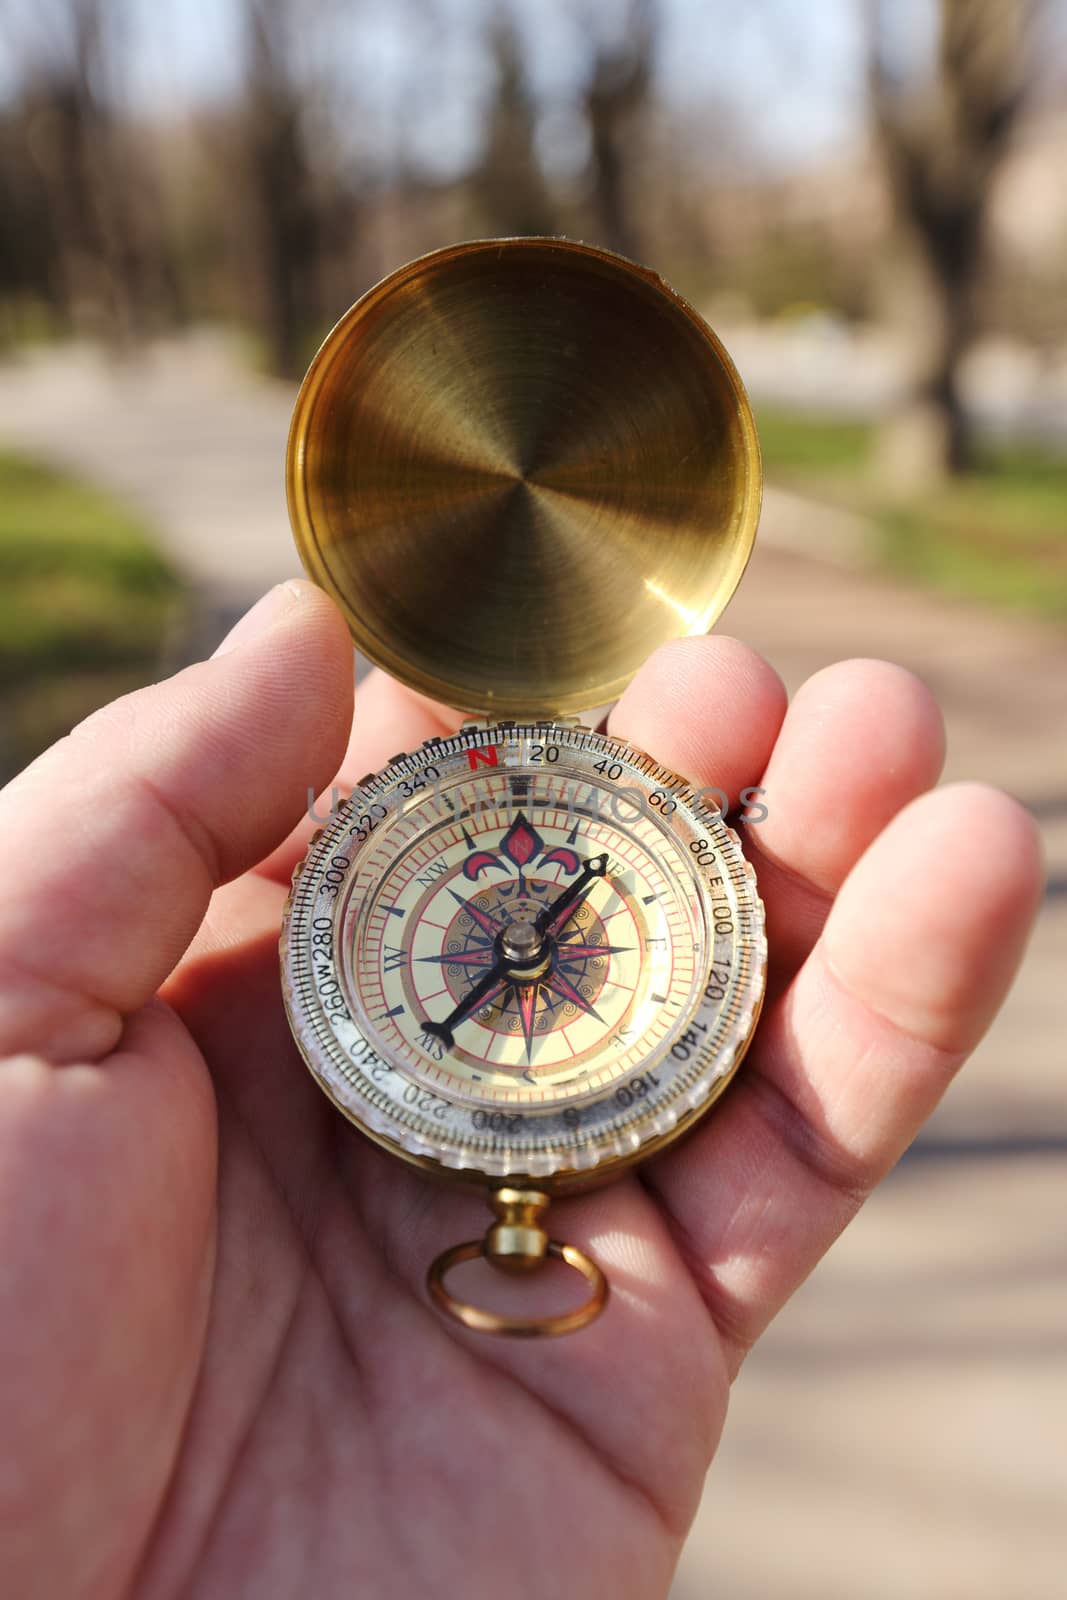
[[30, 262], [943, 133], [284, 216], [104, 266], [617, 97], [509, 185]]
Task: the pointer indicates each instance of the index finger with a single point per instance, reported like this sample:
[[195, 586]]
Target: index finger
[[388, 718]]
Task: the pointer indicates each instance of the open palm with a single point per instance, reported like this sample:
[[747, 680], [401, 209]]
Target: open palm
[[218, 1370]]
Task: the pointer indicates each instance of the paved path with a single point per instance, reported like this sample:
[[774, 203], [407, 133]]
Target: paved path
[[821, 364], [199, 444], [900, 1430]]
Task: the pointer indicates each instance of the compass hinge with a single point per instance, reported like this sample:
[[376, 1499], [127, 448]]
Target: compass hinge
[[476, 725]]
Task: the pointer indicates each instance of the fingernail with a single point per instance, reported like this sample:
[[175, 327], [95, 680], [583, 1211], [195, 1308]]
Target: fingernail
[[268, 610]]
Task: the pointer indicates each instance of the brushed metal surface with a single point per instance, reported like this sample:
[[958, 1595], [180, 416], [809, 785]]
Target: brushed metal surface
[[519, 466]]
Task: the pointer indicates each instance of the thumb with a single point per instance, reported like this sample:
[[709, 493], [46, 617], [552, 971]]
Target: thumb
[[113, 842]]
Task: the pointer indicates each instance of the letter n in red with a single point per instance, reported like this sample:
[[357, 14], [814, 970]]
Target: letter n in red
[[488, 757]]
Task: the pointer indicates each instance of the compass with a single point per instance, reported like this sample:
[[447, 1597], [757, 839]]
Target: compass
[[524, 957]]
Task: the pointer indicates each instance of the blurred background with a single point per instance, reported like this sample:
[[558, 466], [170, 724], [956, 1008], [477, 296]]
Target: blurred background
[[868, 201]]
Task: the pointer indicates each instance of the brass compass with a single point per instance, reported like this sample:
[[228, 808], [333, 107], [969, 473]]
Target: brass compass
[[524, 957]]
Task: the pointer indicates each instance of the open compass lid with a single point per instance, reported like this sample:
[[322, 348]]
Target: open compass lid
[[519, 465]]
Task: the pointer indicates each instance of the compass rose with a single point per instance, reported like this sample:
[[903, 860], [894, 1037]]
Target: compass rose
[[529, 956]]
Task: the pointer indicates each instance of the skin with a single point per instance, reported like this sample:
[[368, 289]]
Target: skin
[[219, 1374]]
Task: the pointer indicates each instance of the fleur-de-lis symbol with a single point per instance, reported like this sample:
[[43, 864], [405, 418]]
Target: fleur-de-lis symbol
[[521, 842], [520, 845]]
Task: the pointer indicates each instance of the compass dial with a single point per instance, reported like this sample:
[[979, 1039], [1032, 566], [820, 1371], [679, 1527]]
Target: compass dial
[[524, 951]]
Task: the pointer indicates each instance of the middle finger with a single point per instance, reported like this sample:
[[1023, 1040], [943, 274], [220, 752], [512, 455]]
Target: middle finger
[[860, 740]]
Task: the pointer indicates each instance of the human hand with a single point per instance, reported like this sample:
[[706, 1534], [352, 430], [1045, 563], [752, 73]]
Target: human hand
[[220, 1375]]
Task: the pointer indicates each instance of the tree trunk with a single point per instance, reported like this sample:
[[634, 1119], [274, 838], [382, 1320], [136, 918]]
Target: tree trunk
[[942, 140], [617, 100]]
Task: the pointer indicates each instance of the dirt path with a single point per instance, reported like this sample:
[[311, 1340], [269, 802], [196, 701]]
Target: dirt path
[[900, 1429]]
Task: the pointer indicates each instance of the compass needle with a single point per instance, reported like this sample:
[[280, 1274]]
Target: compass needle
[[528, 995], [523, 956]]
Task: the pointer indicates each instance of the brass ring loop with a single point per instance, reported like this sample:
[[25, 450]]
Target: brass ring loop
[[518, 1327]]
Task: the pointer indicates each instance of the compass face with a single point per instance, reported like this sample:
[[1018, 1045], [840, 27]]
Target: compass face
[[524, 951]]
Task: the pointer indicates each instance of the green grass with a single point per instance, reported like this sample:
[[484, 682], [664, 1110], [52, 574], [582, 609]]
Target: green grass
[[809, 444], [86, 600], [998, 534]]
